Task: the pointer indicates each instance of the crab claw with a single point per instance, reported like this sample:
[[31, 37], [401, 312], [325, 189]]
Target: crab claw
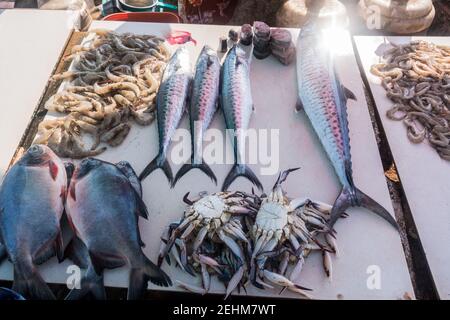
[[186, 199], [283, 175]]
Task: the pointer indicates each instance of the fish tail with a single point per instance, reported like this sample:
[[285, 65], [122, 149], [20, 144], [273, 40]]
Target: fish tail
[[357, 198], [30, 284], [189, 166], [239, 170], [140, 275], [160, 162], [3, 253], [91, 286]]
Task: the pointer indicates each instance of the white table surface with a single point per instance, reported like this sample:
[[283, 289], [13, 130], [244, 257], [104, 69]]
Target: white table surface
[[364, 239], [424, 175], [30, 44]]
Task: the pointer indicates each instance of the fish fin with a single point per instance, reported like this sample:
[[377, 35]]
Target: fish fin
[[53, 168], [63, 192], [239, 170], [302, 288], [74, 251], [59, 247], [189, 166], [31, 285], [91, 286], [160, 162], [70, 168], [72, 191], [370, 204], [101, 261], [299, 105], [210, 61], [126, 168], [349, 94], [141, 209], [344, 201], [139, 277], [3, 253]]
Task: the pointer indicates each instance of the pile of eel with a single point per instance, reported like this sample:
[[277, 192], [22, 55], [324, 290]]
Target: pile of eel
[[114, 79]]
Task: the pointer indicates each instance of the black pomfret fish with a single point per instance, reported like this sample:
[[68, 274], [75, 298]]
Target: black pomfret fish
[[9, 295], [103, 206], [31, 205], [203, 105]]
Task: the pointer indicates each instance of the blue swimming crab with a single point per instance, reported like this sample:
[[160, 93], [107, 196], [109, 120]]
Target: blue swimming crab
[[285, 231]]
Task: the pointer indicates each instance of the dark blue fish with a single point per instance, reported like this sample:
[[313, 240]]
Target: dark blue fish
[[31, 205], [9, 295], [103, 206]]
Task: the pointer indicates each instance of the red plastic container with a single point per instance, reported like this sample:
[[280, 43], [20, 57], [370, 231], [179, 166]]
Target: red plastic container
[[163, 17]]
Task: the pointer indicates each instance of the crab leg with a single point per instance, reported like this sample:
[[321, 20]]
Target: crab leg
[[173, 237], [191, 288], [327, 264], [280, 280], [176, 255], [234, 281], [261, 239], [199, 238], [238, 233], [206, 278], [183, 256], [208, 261], [298, 202], [294, 242], [301, 234], [234, 247], [301, 292], [332, 243], [297, 269], [284, 263]]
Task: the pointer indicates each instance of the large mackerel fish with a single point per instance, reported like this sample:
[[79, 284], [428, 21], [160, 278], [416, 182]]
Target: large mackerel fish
[[237, 104], [31, 205], [324, 100], [171, 101], [203, 105]]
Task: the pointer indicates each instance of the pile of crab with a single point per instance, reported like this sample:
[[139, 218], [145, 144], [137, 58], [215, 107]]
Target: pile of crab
[[245, 238]]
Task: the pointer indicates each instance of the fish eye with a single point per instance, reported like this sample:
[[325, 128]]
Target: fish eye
[[35, 149]]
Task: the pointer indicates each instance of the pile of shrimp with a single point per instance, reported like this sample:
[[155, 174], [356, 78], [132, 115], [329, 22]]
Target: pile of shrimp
[[114, 79], [416, 77]]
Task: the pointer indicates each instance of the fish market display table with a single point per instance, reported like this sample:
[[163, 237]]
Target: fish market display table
[[30, 43], [371, 264], [424, 175]]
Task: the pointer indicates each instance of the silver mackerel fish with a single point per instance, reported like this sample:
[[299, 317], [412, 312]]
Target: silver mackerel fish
[[171, 102], [203, 106], [237, 104], [324, 100]]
